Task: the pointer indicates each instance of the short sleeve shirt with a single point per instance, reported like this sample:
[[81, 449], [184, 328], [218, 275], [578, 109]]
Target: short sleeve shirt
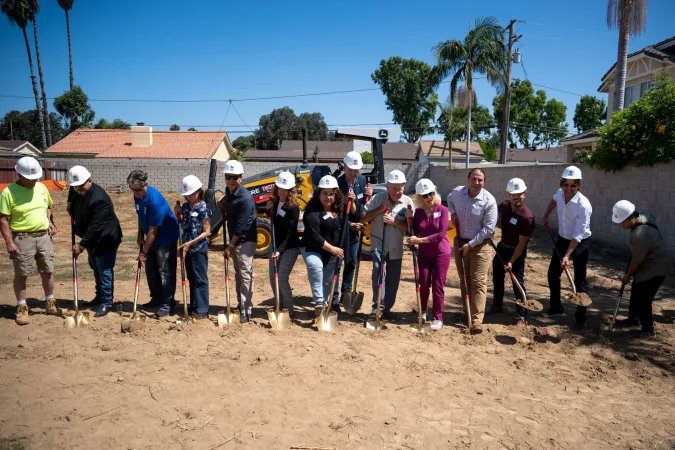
[[515, 223], [26, 208], [192, 223], [394, 243], [154, 211]]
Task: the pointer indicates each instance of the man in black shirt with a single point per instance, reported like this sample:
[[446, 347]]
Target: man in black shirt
[[96, 224], [238, 208]]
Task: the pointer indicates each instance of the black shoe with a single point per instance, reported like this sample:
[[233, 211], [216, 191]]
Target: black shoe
[[102, 311], [627, 323], [388, 315], [96, 301], [336, 308], [243, 317], [579, 325], [202, 316], [162, 312], [554, 313]]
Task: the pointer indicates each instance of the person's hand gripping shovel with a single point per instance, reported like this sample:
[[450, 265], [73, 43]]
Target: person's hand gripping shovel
[[530, 305], [577, 298]]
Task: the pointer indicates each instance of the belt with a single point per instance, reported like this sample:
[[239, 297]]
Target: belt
[[30, 233]]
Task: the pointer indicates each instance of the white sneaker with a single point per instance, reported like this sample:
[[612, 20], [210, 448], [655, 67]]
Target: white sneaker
[[436, 324], [424, 317]]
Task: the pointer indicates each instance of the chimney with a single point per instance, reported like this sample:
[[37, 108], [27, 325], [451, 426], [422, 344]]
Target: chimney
[[141, 136]]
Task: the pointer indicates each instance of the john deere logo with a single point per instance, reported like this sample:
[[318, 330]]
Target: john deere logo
[[383, 134]]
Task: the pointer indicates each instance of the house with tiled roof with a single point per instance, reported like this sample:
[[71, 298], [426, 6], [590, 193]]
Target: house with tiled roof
[[141, 142], [24, 148], [640, 69]]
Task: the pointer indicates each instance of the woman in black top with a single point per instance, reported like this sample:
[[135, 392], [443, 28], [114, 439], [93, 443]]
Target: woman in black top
[[285, 213], [320, 245]]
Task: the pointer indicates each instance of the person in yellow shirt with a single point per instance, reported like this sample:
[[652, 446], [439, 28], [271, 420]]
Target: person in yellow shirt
[[26, 225]]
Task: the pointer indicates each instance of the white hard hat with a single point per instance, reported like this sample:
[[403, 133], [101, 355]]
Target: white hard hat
[[328, 182], [233, 167], [285, 180], [622, 210], [353, 160], [572, 173], [190, 185], [78, 175], [516, 186], [424, 186], [396, 176], [29, 167]]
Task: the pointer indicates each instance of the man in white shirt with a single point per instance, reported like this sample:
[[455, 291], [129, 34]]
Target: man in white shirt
[[474, 211], [395, 203], [574, 239]]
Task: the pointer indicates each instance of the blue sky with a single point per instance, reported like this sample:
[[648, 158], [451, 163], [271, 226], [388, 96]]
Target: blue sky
[[210, 49]]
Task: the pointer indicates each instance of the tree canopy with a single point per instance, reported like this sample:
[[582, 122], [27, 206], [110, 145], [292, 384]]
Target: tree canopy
[[409, 90], [73, 105], [117, 124], [244, 142], [590, 113], [25, 125], [283, 123]]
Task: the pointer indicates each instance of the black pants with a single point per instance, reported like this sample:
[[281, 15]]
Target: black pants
[[641, 296], [580, 259], [498, 272]]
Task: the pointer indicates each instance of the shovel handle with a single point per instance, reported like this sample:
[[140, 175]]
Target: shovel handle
[[75, 293]]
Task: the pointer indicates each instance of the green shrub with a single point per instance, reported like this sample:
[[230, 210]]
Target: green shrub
[[643, 134], [367, 158], [488, 151]]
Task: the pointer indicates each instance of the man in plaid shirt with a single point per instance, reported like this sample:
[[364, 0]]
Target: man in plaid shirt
[[473, 210]]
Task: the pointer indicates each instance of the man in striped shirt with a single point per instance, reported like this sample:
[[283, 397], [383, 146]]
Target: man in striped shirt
[[473, 211]]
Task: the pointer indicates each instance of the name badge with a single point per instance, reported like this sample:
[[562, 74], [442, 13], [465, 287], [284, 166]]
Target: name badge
[[138, 207], [360, 196], [327, 216], [437, 214], [476, 212], [513, 221], [194, 214], [281, 212]]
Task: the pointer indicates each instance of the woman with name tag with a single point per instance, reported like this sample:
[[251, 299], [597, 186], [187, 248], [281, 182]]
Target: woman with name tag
[[320, 244], [286, 212], [430, 227]]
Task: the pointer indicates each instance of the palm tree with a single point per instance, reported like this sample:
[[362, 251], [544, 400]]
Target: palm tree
[[482, 51], [35, 9], [19, 13], [67, 5], [630, 18]]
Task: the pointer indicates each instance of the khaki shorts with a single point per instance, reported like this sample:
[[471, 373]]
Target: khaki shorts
[[32, 246]]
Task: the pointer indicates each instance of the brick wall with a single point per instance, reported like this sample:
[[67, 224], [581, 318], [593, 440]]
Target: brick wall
[[651, 188]]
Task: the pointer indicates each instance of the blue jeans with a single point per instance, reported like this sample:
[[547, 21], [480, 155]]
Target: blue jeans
[[348, 271], [103, 265], [393, 275], [197, 268], [160, 271], [320, 276]]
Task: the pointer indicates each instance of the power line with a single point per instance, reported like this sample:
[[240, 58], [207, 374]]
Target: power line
[[226, 113], [235, 110]]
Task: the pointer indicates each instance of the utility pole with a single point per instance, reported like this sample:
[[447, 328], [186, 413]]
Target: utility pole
[[507, 94]]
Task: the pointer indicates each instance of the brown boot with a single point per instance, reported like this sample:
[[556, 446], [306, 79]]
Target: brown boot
[[22, 315], [476, 327], [52, 309]]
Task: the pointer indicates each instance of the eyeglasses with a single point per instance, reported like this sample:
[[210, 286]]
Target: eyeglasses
[[430, 194], [135, 190], [231, 177]]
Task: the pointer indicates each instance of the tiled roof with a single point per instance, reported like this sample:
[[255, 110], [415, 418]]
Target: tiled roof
[[117, 144], [441, 149], [584, 135], [11, 145]]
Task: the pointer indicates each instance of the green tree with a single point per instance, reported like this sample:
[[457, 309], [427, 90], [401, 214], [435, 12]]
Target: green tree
[[174, 127], [35, 7], [409, 91], [117, 124], [244, 142], [67, 5], [643, 134], [489, 151], [451, 121], [192, 129], [73, 105], [630, 18], [367, 158], [27, 126], [315, 124], [19, 12], [534, 120], [590, 113], [283, 123], [482, 51]]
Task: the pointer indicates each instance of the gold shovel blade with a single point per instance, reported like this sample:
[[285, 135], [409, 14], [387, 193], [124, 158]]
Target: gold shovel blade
[[329, 324], [372, 325], [79, 320], [426, 327], [580, 299], [225, 319], [280, 321]]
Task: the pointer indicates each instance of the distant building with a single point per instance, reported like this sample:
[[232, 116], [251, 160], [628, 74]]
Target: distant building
[[19, 147]]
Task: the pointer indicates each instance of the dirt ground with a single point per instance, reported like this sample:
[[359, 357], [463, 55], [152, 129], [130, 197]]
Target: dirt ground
[[252, 387]]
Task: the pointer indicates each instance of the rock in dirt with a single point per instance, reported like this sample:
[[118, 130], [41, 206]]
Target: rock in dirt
[[631, 356], [523, 340], [131, 326]]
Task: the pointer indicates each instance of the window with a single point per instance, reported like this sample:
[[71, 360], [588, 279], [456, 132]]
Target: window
[[631, 95], [645, 87]]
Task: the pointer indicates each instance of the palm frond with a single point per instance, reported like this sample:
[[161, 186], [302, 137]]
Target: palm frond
[[636, 11]]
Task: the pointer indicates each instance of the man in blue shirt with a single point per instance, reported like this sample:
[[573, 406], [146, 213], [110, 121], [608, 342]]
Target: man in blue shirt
[[238, 208], [157, 238], [353, 186]]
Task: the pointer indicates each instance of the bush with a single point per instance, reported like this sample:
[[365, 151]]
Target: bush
[[488, 151], [367, 158], [643, 134]]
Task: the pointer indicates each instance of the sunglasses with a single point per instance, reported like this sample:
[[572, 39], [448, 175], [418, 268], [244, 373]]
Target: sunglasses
[[430, 194], [231, 177]]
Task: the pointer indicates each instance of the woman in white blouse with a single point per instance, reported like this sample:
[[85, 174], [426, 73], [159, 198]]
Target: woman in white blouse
[[574, 239]]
